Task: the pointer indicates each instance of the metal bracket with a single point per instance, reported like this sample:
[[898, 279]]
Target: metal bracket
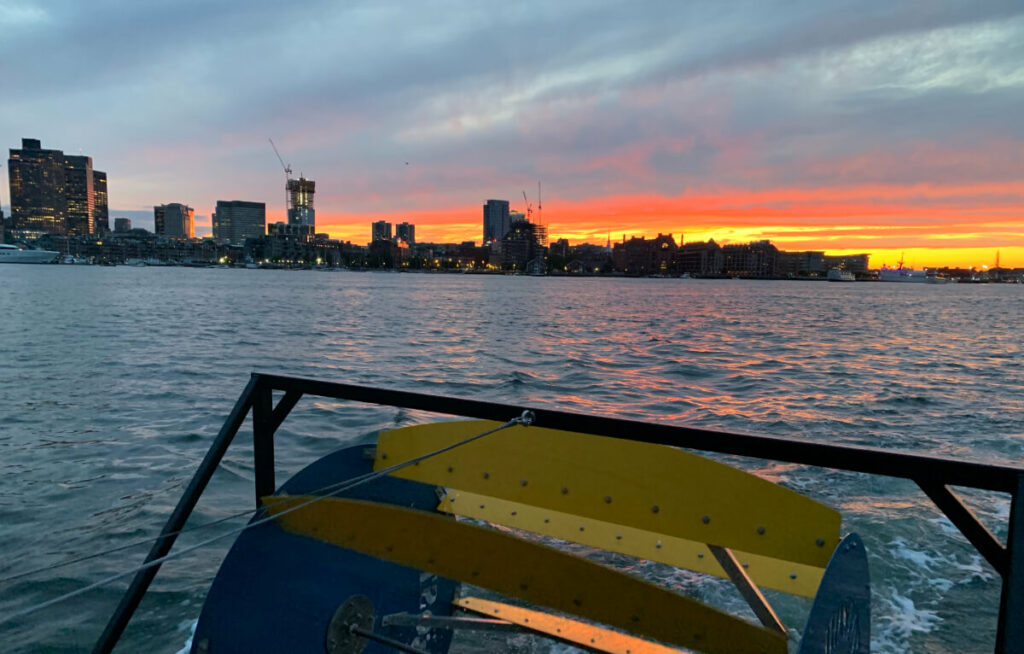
[[748, 589]]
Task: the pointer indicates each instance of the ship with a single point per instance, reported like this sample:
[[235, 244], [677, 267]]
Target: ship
[[14, 254]]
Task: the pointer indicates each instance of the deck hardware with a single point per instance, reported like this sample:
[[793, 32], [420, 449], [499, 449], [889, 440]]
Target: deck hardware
[[522, 482], [655, 509], [487, 475], [760, 530], [705, 519], [356, 611], [607, 499], [820, 542]]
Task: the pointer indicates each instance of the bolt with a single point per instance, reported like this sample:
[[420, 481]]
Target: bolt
[[607, 499], [705, 519], [760, 530], [487, 475], [820, 542], [792, 575], [565, 490], [522, 482]]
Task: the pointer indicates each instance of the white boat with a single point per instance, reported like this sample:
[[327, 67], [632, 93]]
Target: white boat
[[77, 261], [14, 254], [840, 275]]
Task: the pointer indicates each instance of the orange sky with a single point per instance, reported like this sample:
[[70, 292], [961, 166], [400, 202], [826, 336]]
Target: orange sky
[[929, 225]]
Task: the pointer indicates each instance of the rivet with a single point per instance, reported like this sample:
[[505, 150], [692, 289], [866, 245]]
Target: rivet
[[547, 520], [496, 611], [527, 620], [635, 618], [513, 513], [618, 536], [820, 542], [655, 509], [746, 564], [487, 475], [474, 573], [451, 499], [581, 527], [591, 640], [565, 491], [700, 555], [522, 482], [558, 630], [658, 545], [451, 469], [384, 456], [577, 601], [607, 499], [760, 530], [705, 519], [792, 575]]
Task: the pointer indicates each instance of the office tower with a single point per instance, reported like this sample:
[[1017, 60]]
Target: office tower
[[496, 220], [100, 215], [406, 232], [237, 220], [79, 193], [122, 225], [380, 231], [300, 202], [37, 189], [174, 220]]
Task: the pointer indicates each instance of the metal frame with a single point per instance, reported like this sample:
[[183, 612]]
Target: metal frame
[[933, 474]]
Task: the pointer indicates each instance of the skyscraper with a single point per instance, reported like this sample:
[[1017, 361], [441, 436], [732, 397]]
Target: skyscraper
[[380, 231], [122, 225], [300, 202], [237, 220], [496, 220], [100, 214], [37, 189], [174, 220], [79, 193], [406, 232]]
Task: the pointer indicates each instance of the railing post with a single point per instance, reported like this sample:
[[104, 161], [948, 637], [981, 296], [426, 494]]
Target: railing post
[[1010, 637], [140, 583], [263, 442]]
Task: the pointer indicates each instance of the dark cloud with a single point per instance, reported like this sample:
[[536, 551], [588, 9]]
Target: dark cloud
[[176, 99]]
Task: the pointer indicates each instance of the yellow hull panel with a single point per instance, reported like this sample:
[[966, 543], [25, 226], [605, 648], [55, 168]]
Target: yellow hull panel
[[505, 564], [653, 488], [793, 578]]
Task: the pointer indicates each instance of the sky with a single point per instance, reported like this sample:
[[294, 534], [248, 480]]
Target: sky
[[889, 128]]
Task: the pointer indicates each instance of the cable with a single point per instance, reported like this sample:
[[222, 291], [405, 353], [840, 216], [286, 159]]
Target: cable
[[525, 419]]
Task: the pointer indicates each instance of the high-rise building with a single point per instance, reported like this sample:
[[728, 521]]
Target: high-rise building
[[55, 193], [300, 202], [238, 220], [497, 222], [37, 189], [80, 193], [122, 225], [406, 232], [100, 213], [380, 231], [174, 220]]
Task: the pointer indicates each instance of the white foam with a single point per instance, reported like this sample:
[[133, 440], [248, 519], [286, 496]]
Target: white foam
[[191, 627]]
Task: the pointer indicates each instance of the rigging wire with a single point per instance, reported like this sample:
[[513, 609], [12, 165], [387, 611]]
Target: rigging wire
[[525, 419]]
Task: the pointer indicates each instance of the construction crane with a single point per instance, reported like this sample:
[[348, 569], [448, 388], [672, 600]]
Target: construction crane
[[529, 207], [287, 177], [540, 217]]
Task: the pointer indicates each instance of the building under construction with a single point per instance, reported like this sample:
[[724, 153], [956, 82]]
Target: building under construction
[[300, 202]]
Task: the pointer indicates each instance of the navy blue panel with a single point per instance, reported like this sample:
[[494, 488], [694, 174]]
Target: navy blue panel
[[840, 620], [277, 591]]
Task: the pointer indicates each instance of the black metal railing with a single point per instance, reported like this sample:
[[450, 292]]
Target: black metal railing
[[935, 475]]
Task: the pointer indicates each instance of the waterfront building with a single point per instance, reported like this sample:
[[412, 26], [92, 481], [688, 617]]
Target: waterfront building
[[406, 232], [36, 178], [175, 220], [380, 231], [122, 225], [639, 256], [699, 259], [802, 264], [237, 220], [101, 212], [497, 221], [303, 233], [756, 259], [521, 246], [300, 202], [79, 192]]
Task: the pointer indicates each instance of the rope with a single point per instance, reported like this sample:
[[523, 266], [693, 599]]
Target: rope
[[525, 419]]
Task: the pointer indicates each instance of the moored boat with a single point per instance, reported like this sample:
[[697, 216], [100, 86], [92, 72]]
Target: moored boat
[[840, 275], [14, 254]]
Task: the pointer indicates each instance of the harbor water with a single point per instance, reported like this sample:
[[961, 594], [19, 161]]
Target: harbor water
[[115, 380]]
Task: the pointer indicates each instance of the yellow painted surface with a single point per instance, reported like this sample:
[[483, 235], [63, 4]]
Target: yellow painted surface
[[649, 487], [535, 573], [795, 578], [573, 631]]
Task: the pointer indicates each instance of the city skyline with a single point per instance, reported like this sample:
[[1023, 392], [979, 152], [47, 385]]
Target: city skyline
[[843, 127]]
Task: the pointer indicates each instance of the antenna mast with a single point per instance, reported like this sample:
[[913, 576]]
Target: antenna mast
[[540, 216]]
